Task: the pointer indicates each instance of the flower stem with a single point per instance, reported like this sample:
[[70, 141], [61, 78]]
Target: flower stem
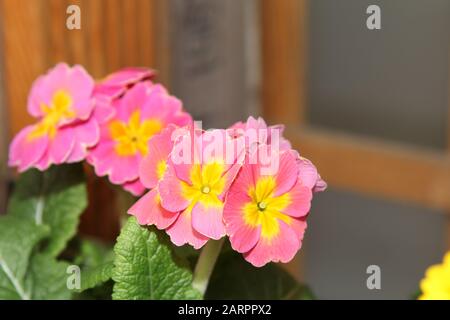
[[205, 264]]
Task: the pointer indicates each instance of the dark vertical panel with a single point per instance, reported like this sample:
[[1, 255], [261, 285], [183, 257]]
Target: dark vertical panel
[[208, 59]]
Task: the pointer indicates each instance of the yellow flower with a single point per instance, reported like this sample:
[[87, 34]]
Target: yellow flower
[[436, 284]]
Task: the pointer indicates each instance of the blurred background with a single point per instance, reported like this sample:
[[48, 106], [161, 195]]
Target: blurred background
[[368, 107]]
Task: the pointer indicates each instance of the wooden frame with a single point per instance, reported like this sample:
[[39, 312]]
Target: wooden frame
[[409, 174]]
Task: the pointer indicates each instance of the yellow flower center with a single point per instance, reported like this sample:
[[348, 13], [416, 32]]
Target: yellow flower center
[[132, 137], [206, 189], [207, 184], [262, 206], [161, 169], [265, 209], [59, 109]]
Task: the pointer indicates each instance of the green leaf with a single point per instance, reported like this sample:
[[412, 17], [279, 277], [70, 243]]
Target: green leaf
[[17, 240], [56, 198], [93, 254], [96, 262], [145, 267], [47, 278], [234, 278], [95, 276]]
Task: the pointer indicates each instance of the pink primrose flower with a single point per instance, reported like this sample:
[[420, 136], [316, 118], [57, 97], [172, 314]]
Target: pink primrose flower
[[265, 215], [62, 102], [127, 124]]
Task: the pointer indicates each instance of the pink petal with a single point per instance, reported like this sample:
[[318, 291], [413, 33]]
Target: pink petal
[[44, 87], [159, 149], [321, 185], [244, 179], [237, 125], [229, 177], [187, 141], [281, 248], [133, 100], [62, 145], [87, 135], [300, 201], [148, 211], [135, 187], [124, 168], [182, 232], [105, 160], [242, 236], [80, 86], [126, 76], [25, 153], [287, 173], [208, 220], [171, 192], [299, 226], [307, 172], [102, 157], [58, 150], [155, 105], [108, 92], [104, 110]]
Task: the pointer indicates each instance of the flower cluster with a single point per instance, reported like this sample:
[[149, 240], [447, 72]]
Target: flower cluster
[[245, 182], [132, 110], [108, 123]]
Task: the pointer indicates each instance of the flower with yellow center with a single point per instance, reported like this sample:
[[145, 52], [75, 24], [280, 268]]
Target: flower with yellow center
[[132, 137], [207, 185], [265, 215], [131, 132], [161, 168], [265, 208], [59, 109]]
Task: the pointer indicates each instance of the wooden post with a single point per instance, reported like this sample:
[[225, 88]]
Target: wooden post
[[4, 127], [284, 51], [208, 59], [284, 43]]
